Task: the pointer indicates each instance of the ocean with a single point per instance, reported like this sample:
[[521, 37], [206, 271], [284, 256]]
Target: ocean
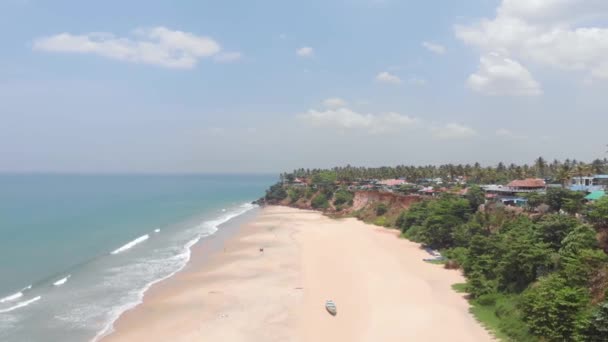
[[78, 250]]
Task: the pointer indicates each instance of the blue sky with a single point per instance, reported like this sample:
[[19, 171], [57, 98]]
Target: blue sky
[[265, 86]]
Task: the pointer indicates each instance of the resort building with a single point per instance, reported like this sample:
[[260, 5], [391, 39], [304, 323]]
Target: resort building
[[590, 183], [527, 185]]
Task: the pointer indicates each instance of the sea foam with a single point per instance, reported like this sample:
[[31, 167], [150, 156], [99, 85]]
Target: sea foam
[[62, 280], [20, 305], [211, 227], [11, 297], [131, 244]]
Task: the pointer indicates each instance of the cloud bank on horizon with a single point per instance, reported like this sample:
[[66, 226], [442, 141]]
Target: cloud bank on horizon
[[477, 81]]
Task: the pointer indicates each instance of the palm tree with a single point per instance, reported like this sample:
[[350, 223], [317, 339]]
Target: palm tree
[[563, 175], [541, 165]]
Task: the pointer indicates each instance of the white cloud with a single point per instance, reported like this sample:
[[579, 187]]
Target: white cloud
[[228, 57], [345, 118], [334, 102], [452, 131], [553, 33], [157, 46], [498, 75], [387, 77], [435, 48], [421, 82], [305, 51], [508, 134]]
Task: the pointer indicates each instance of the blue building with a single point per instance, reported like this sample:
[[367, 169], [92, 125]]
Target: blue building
[[589, 184]]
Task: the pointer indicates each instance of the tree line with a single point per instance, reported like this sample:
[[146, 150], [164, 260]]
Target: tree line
[[555, 171]]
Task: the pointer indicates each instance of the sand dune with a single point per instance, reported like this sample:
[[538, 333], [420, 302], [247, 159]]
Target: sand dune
[[382, 288]]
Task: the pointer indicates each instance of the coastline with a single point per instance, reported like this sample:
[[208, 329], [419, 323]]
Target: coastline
[[231, 291], [198, 250]]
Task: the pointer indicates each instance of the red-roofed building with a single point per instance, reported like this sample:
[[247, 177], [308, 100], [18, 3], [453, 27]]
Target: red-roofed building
[[527, 185]]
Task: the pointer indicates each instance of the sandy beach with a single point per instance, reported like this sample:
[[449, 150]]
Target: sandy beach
[[382, 288]]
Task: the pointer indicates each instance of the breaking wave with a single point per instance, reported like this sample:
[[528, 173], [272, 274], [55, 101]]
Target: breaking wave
[[131, 244], [62, 280], [20, 305]]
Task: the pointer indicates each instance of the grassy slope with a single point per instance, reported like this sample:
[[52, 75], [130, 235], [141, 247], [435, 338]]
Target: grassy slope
[[500, 317]]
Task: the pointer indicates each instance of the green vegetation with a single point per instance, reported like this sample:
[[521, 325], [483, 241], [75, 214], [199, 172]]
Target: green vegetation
[[343, 197], [381, 209], [295, 194], [528, 278], [559, 172], [276, 193], [460, 287], [320, 202], [382, 221]]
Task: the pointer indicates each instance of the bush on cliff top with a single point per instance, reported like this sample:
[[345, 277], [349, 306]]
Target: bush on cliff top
[[319, 202]]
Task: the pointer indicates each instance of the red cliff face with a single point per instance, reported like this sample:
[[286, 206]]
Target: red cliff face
[[363, 198]]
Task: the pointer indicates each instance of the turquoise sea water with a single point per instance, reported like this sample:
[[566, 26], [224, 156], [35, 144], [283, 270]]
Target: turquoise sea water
[[77, 250]]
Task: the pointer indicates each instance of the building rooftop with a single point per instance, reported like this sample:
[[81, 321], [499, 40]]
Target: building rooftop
[[527, 183], [596, 195]]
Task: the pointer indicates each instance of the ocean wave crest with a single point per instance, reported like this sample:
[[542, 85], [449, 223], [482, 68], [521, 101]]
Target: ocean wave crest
[[20, 304], [181, 260], [62, 280], [12, 297], [131, 244]]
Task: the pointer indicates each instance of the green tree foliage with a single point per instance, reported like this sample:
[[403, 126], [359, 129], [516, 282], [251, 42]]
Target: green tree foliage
[[558, 198], [574, 203], [441, 218], [535, 199], [295, 194], [325, 178], [415, 216], [522, 258], [551, 308], [320, 202], [343, 197], [595, 329], [580, 238], [275, 193], [598, 213], [552, 229], [558, 171], [381, 209], [476, 197]]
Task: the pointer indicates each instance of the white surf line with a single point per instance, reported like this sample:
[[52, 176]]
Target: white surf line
[[20, 305], [131, 244], [62, 280]]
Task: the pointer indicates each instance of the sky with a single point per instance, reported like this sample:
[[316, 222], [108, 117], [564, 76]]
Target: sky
[[269, 86]]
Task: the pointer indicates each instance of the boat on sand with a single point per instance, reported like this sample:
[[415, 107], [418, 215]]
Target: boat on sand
[[331, 307]]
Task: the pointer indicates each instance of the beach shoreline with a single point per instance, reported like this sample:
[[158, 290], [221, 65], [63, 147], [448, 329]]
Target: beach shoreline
[[237, 292]]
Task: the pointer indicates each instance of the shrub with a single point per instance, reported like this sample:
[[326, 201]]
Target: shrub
[[276, 193], [309, 192], [381, 209], [458, 255], [294, 194], [320, 202], [381, 221], [488, 299], [413, 233], [343, 197], [551, 308]]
